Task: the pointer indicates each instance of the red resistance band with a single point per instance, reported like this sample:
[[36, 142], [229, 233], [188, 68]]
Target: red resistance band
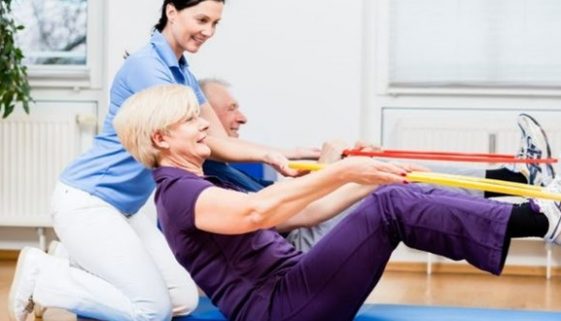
[[448, 156]]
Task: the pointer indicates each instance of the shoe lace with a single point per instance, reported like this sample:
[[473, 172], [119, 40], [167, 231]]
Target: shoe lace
[[30, 305], [533, 152]]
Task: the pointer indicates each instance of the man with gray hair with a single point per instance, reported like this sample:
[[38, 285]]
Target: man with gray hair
[[227, 108], [228, 111]]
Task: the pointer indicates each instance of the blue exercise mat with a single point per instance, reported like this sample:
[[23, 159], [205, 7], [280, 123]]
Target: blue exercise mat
[[205, 311], [396, 312]]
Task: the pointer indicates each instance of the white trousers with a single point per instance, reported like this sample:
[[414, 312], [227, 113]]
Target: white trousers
[[124, 268]]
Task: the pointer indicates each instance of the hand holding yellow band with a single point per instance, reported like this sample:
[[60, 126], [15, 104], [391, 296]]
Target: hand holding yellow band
[[482, 184]]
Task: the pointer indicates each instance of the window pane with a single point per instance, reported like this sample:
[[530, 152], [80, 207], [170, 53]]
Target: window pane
[[492, 43], [55, 31]]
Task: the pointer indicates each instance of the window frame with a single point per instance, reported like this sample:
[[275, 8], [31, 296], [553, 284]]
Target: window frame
[[379, 38], [86, 76]]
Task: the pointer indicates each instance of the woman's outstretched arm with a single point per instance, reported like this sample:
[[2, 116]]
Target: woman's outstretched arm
[[229, 212]]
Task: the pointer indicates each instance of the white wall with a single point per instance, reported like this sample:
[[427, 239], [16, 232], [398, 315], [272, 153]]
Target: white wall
[[303, 71], [295, 65], [128, 25]]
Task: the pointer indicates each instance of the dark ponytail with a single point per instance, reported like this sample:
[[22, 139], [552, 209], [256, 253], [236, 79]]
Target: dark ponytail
[[179, 5]]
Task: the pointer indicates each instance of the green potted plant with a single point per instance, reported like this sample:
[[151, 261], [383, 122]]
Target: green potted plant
[[14, 86]]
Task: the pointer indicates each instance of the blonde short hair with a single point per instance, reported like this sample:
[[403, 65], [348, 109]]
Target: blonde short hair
[[149, 111]]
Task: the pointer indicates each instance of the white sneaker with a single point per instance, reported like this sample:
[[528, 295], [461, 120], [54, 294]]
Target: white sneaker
[[534, 145], [55, 249], [552, 210], [20, 302]]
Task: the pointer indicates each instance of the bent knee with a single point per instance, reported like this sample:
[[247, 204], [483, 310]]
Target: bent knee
[[154, 309], [392, 199], [184, 300]]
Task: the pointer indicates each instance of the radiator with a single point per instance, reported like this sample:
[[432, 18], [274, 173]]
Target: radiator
[[33, 151], [483, 136]]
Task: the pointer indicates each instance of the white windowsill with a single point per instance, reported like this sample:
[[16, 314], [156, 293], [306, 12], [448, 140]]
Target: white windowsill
[[59, 76], [436, 91]]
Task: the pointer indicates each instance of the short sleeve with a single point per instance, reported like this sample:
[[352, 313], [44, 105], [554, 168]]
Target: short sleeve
[[177, 202], [200, 96], [146, 72], [194, 84]]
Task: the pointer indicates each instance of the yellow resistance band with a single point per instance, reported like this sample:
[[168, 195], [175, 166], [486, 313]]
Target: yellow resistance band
[[482, 184]]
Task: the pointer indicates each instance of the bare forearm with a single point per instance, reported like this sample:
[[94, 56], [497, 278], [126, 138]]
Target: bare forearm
[[327, 207], [229, 212], [301, 153], [283, 200], [235, 150], [225, 148]]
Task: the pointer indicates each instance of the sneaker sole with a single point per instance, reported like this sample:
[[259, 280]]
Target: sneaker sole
[[535, 126], [541, 131], [15, 283]]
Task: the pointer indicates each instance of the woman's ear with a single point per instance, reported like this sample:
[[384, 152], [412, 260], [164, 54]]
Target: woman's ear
[[159, 140], [171, 13]]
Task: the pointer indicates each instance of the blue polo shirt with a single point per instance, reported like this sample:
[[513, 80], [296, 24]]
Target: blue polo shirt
[[107, 170]]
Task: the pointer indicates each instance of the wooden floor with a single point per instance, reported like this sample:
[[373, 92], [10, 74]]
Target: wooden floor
[[534, 293]]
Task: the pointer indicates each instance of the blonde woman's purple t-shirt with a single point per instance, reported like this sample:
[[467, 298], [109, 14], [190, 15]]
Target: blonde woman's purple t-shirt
[[238, 272]]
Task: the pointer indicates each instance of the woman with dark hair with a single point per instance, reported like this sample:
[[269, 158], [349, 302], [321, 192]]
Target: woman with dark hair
[[119, 266]]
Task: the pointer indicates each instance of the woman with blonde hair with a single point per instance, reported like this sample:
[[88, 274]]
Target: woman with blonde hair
[[226, 238]]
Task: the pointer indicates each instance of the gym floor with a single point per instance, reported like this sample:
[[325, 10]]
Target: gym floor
[[469, 290]]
